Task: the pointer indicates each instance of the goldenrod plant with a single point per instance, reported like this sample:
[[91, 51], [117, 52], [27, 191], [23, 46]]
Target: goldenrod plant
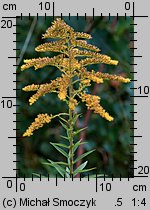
[[74, 54]]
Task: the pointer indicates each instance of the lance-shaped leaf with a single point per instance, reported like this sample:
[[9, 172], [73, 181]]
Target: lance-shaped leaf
[[61, 145], [80, 168], [86, 170], [64, 137], [64, 126], [77, 144], [67, 172], [60, 169], [75, 117], [59, 149], [83, 155], [63, 119], [80, 130], [59, 163]]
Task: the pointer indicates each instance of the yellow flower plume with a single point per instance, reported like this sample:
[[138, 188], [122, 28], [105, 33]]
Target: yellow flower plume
[[39, 122], [92, 103], [74, 54]]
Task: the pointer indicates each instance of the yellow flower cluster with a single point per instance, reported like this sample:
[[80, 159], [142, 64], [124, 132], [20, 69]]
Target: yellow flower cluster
[[42, 62], [73, 65], [84, 44], [92, 103], [63, 85], [106, 76], [77, 53], [99, 77], [57, 46], [69, 44], [44, 89], [73, 103], [92, 76], [38, 123], [32, 87], [59, 29], [101, 59], [81, 35], [86, 82], [58, 61]]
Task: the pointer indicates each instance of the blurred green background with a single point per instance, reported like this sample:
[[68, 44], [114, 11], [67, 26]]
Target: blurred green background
[[110, 139]]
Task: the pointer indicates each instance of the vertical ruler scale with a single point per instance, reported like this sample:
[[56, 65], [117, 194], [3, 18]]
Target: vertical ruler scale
[[17, 190], [133, 42], [138, 94]]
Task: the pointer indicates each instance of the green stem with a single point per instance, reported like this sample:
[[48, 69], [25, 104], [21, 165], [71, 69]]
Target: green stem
[[71, 142], [70, 121]]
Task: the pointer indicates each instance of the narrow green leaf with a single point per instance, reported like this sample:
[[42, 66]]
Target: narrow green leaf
[[77, 144], [61, 145], [68, 159], [78, 131], [75, 117], [60, 170], [83, 155], [68, 134], [67, 172], [59, 163], [81, 167], [63, 119], [38, 175], [64, 126], [86, 170], [59, 149], [65, 137]]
